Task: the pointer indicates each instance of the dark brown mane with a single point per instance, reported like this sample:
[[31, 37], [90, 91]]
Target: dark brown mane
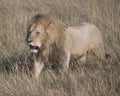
[[39, 16]]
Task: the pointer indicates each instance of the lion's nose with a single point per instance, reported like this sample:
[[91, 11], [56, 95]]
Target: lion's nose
[[29, 42]]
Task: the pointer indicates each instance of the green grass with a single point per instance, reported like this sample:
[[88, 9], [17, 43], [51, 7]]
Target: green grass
[[96, 78]]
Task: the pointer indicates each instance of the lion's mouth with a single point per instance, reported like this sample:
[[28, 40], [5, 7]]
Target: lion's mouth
[[34, 49]]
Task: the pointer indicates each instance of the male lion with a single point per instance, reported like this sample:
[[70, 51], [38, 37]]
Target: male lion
[[52, 41]]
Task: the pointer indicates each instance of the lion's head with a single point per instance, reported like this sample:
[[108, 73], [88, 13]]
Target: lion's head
[[43, 31], [36, 34]]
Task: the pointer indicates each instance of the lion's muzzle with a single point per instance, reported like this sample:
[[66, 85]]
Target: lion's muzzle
[[34, 49]]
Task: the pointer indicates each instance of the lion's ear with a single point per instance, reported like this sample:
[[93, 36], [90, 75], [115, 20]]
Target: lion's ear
[[55, 27], [50, 28], [45, 22]]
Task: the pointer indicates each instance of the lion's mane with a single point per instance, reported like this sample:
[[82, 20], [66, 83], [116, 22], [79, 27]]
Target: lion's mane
[[53, 49]]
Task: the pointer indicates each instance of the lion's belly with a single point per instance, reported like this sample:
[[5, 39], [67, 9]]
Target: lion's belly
[[78, 47]]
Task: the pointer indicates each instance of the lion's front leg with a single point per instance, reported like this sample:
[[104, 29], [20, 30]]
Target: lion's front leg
[[65, 64], [38, 66]]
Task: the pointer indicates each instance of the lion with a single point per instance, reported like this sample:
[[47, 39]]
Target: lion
[[51, 40]]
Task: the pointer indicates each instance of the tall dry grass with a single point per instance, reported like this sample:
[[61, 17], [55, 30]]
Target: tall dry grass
[[96, 78]]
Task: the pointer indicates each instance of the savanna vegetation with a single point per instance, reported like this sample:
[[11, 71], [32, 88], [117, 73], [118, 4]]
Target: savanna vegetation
[[95, 78]]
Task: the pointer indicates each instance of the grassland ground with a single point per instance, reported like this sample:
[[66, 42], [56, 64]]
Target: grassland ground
[[95, 78]]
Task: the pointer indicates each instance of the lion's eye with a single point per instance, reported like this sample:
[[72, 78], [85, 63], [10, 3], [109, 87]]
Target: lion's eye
[[37, 33]]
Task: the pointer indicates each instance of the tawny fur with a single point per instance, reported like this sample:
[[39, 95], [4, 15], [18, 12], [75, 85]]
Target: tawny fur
[[58, 42]]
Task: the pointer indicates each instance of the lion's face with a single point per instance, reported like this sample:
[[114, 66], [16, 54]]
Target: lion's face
[[36, 37]]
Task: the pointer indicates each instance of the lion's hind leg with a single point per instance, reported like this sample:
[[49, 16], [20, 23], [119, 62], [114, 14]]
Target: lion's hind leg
[[83, 59], [98, 52]]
